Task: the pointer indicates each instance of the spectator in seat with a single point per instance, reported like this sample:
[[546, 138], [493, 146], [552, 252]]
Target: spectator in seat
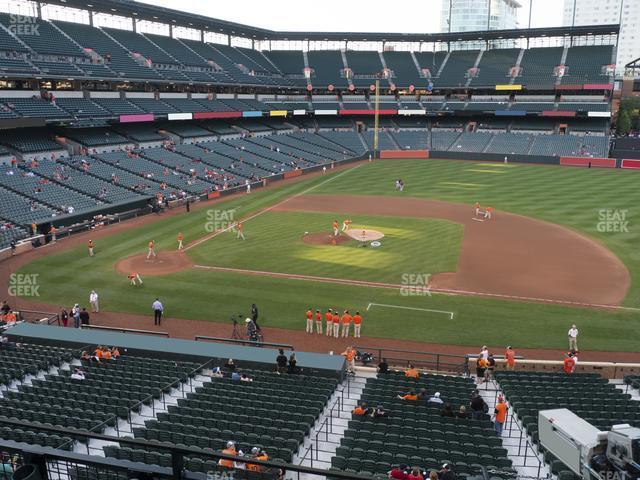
[[230, 365], [446, 473], [423, 395], [380, 412], [436, 399], [412, 372], [399, 472], [77, 375], [230, 450], [258, 454], [245, 378], [235, 375], [383, 366], [462, 412], [447, 411], [281, 362], [415, 474], [115, 352], [293, 364], [411, 396], [361, 409]]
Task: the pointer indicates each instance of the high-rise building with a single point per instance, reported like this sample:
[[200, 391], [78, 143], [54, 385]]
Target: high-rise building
[[603, 12], [476, 15]]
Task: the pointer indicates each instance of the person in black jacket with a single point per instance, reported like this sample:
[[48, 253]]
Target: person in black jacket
[[281, 362], [84, 317]]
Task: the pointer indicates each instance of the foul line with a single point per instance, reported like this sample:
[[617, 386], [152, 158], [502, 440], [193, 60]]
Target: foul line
[[410, 308], [391, 286], [265, 210]]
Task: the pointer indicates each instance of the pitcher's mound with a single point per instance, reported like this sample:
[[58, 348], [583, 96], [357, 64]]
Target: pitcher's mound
[[163, 264], [324, 239]]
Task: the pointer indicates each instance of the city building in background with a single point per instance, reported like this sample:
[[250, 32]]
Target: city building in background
[[604, 12], [477, 15]]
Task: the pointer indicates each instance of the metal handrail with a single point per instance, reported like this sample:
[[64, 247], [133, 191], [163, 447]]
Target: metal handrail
[[126, 330], [284, 346]]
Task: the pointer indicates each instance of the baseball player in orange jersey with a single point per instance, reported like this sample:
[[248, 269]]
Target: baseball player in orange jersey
[[90, 246], [180, 238], [133, 277], [335, 319], [476, 208], [335, 228], [357, 324], [346, 323], [318, 322], [152, 250], [488, 213], [346, 224], [329, 318], [309, 316], [239, 230]]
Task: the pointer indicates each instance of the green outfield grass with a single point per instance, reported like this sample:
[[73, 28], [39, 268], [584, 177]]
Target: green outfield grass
[[568, 196]]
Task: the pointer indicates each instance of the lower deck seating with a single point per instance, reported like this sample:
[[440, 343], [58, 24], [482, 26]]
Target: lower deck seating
[[415, 433]]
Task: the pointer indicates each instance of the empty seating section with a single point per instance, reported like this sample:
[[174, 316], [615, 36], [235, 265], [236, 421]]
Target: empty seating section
[[588, 395], [509, 143], [8, 42], [46, 191], [111, 173], [290, 64], [81, 107], [150, 105], [139, 133], [9, 232], [140, 45], [471, 142], [349, 140], [588, 64], [403, 70], [227, 166], [186, 130], [44, 37], [256, 61], [232, 62], [274, 412], [537, 67], [21, 210], [116, 57], [416, 434], [34, 107], [412, 140], [495, 67], [29, 141], [366, 67], [327, 69], [570, 145], [118, 106], [385, 142], [454, 73], [80, 178], [431, 61], [16, 66], [94, 137], [442, 140], [15, 365]]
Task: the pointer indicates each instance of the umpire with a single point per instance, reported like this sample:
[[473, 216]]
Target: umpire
[[157, 312]]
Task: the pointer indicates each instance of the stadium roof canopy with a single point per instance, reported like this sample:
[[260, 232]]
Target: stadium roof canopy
[[143, 11]]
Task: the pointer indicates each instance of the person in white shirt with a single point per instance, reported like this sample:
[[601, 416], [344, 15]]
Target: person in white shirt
[[573, 338], [484, 352], [77, 375], [93, 300], [158, 309], [436, 398]]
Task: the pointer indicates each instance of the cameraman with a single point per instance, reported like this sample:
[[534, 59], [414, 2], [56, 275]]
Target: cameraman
[[252, 330]]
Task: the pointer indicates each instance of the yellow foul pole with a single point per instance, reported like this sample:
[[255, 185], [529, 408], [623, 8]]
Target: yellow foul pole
[[376, 124]]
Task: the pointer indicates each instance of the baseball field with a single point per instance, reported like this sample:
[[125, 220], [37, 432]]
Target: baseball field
[[562, 248]]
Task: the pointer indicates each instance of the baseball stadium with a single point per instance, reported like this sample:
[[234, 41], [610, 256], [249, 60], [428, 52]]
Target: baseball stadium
[[235, 252]]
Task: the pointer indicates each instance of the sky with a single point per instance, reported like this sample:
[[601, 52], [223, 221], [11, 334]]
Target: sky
[[347, 16]]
